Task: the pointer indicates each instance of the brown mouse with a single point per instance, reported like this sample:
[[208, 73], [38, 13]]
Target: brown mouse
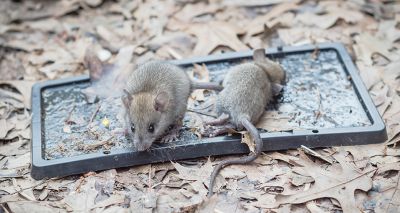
[[155, 97], [248, 88]]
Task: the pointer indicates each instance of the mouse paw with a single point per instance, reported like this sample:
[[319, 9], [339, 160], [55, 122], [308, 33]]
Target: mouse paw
[[208, 131], [170, 137]]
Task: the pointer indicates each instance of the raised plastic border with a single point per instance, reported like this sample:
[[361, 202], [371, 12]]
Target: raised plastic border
[[375, 133]]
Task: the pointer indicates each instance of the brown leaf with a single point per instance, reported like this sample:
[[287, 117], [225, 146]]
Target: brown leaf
[[232, 173], [213, 34], [201, 174], [380, 96], [248, 140], [23, 87], [367, 45], [5, 128], [15, 162], [273, 121], [254, 3], [33, 206], [13, 148], [369, 74], [93, 3], [189, 11], [93, 64], [339, 183], [201, 74], [321, 21], [256, 26], [388, 30]]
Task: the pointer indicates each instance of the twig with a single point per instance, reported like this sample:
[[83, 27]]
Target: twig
[[201, 113], [94, 114], [395, 190], [68, 119], [319, 111], [315, 154], [343, 183], [98, 144]]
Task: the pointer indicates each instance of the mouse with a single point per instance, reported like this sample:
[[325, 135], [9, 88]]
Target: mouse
[[247, 90], [155, 99]]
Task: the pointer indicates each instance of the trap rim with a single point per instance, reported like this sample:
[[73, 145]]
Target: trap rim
[[223, 145]]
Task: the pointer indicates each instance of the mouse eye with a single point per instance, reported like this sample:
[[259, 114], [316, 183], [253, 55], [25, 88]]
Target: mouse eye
[[132, 127], [151, 128]]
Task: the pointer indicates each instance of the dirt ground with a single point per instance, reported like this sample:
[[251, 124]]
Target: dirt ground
[[43, 40]]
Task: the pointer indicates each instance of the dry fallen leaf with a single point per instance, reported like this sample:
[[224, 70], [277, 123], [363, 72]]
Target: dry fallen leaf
[[342, 182], [273, 121], [256, 26], [214, 34], [200, 74], [367, 45], [24, 87], [5, 128], [370, 75], [248, 140]]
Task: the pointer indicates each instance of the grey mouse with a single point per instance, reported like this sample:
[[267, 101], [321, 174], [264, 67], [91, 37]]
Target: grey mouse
[[155, 98], [248, 88]]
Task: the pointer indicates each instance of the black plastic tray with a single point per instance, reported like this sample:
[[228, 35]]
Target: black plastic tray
[[375, 133]]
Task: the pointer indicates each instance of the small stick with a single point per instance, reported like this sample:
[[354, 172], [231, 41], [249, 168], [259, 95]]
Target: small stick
[[201, 113], [98, 144], [94, 114], [316, 154], [67, 120]]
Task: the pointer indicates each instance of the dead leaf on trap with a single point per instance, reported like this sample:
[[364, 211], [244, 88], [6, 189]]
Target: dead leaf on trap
[[214, 34], [248, 140], [272, 121], [200, 74]]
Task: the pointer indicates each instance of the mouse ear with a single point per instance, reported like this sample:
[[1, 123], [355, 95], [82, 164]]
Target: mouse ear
[[161, 102], [276, 89], [126, 98], [259, 55]]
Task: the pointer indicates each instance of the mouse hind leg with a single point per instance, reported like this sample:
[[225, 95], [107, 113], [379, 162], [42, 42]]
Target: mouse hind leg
[[222, 119], [213, 131]]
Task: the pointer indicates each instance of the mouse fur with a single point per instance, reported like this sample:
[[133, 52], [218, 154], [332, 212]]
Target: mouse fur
[[248, 88], [155, 98]]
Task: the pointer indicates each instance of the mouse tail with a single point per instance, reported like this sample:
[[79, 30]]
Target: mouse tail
[[251, 157], [205, 85]]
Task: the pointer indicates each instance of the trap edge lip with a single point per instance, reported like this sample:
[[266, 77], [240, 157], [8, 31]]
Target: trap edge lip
[[375, 133]]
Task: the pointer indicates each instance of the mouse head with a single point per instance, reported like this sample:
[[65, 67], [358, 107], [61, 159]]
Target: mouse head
[[147, 114], [275, 72]]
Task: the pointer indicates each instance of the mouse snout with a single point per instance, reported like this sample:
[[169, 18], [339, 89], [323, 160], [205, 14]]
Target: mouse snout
[[141, 143]]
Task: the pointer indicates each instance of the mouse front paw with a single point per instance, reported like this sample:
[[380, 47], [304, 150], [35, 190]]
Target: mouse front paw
[[170, 137]]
